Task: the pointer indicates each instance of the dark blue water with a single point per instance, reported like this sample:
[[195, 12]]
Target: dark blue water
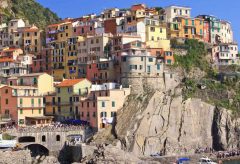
[[232, 162]]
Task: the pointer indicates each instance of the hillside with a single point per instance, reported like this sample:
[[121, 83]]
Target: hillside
[[28, 10]]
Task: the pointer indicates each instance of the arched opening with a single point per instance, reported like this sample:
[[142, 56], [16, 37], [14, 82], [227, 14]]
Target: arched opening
[[43, 138], [26, 139], [37, 149], [58, 138]]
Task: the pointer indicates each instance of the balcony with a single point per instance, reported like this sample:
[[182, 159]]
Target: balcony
[[53, 32], [6, 117], [64, 103], [26, 94], [31, 106]]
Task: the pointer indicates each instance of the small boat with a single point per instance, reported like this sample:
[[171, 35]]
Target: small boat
[[206, 160], [7, 143], [183, 161]]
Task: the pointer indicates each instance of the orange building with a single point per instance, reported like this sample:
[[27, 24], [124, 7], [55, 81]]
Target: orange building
[[189, 28]]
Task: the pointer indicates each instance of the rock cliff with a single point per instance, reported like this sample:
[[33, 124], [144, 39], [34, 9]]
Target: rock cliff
[[161, 122]]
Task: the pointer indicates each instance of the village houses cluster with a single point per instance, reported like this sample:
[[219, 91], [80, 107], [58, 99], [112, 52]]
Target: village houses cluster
[[73, 69]]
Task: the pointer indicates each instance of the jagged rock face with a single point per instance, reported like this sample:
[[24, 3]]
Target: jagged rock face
[[160, 122]]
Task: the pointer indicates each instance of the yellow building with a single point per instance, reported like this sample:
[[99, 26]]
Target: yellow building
[[156, 34], [66, 91], [30, 106], [57, 37], [42, 81], [32, 42], [107, 106], [191, 28], [72, 58]]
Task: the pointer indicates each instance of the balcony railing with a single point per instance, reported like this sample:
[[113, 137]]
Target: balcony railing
[[5, 117]]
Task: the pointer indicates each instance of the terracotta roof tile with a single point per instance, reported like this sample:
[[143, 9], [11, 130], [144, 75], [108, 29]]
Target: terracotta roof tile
[[70, 82]]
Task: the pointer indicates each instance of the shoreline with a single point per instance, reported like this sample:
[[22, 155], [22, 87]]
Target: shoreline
[[194, 158]]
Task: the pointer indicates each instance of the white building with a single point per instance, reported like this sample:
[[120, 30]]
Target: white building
[[226, 32], [177, 11], [225, 54]]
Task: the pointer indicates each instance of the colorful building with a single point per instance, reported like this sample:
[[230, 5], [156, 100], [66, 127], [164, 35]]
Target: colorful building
[[172, 12], [66, 92], [42, 81], [186, 28], [100, 107], [8, 108], [225, 54], [30, 106]]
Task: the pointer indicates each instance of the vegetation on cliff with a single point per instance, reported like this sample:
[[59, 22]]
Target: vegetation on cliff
[[29, 10], [220, 87]]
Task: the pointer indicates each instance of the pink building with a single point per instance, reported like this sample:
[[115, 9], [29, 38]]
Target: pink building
[[8, 108], [85, 26], [42, 62]]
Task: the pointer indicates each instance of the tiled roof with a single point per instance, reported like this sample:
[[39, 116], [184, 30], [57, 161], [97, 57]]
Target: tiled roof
[[31, 30], [70, 82]]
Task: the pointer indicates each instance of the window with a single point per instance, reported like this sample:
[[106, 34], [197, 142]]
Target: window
[[59, 109], [39, 101], [21, 121], [21, 81], [103, 104], [6, 101], [103, 114], [94, 114], [32, 111], [186, 21], [39, 111], [32, 101], [21, 100], [193, 22], [35, 81], [93, 104], [186, 30], [88, 104], [160, 30], [150, 59], [58, 90], [58, 138], [148, 68], [113, 114], [140, 67], [186, 12], [152, 29], [88, 114], [43, 138], [158, 66], [175, 10], [113, 103], [6, 91], [21, 111]]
